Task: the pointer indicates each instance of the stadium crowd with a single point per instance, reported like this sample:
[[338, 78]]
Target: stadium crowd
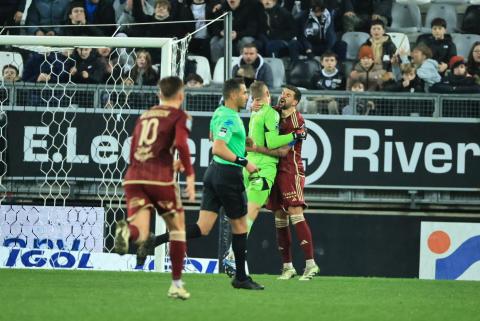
[[307, 35]]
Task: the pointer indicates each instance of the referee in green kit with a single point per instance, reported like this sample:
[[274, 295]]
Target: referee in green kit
[[223, 181]]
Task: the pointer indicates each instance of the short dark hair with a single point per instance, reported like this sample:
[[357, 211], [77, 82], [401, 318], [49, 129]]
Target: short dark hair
[[328, 54], [76, 4], [424, 49], [169, 86], [250, 45], [163, 3], [439, 22], [257, 89], [297, 93], [11, 67], [195, 77], [357, 83], [318, 4], [230, 86], [377, 22]]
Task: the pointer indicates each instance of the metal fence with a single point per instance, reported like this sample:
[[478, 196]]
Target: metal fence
[[207, 99]]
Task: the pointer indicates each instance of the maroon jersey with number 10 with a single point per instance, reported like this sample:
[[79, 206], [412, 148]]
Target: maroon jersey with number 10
[[292, 163], [158, 132]]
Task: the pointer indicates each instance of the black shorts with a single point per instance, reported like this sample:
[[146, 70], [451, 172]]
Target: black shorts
[[223, 187]]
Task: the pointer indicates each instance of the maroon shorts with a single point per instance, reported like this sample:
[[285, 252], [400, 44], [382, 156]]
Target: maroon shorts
[[165, 199], [287, 191]]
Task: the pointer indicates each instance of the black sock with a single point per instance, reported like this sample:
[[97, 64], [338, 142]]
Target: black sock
[[192, 231], [239, 247]]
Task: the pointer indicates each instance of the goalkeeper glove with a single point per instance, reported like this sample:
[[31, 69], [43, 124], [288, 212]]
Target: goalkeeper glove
[[300, 133]]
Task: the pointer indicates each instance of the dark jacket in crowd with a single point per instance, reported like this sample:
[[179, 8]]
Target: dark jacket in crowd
[[93, 65], [473, 68], [416, 86], [263, 71], [47, 12], [314, 31], [280, 24], [101, 13], [456, 85], [388, 51], [370, 7], [325, 81], [57, 67], [83, 31], [8, 8], [442, 50], [249, 19]]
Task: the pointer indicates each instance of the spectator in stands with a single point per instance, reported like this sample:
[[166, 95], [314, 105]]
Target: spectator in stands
[[101, 12], [280, 29], [358, 13], [371, 74], [142, 74], [457, 80], [249, 24], [194, 81], [247, 72], [362, 107], [54, 68], [10, 73], [200, 42], [88, 68], [11, 13], [427, 68], [77, 22], [46, 12], [384, 50], [316, 34], [329, 78], [250, 56], [163, 13], [473, 63], [441, 43], [409, 82]]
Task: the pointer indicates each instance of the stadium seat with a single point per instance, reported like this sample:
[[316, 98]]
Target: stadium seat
[[406, 17], [419, 2], [218, 71], [354, 41], [445, 11], [400, 40], [464, 43], [203, 69], [278, 69], [454, 2], [11, 58]]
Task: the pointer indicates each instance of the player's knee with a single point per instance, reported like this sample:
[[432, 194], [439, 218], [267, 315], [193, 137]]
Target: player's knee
[[297, 218], [281, 222]]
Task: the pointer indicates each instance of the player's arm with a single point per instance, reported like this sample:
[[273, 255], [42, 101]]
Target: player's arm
[[181, 144], [273, 139], [278, 152]]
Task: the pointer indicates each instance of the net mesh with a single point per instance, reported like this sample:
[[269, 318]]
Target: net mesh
[[57, 99]]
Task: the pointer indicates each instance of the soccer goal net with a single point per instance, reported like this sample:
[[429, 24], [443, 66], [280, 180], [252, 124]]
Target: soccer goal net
[[66, 132]]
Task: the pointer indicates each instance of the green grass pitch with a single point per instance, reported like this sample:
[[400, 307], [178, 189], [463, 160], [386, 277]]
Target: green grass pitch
[[49, 295]]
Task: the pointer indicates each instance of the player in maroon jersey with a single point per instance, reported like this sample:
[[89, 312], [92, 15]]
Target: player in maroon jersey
[[150, 179], [286, 198]]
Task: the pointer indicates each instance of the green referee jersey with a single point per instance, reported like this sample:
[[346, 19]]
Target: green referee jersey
[[227, 125], [264, 131]]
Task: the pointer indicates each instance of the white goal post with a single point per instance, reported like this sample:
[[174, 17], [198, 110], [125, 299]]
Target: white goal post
[[173, 53]]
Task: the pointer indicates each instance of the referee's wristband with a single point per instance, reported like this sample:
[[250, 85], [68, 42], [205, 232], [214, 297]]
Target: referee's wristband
[[241, 161]]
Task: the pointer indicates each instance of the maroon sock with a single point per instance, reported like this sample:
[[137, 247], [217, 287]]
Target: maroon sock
[[284, 239], [305, 237], [177, 254], [133, 232]]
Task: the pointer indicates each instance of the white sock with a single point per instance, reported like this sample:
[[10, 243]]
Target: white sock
[[177, 283], [310, 263], [288, 265]]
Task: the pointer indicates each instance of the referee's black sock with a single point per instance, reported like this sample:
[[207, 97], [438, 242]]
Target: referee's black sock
[[192, 230], [239, 247]]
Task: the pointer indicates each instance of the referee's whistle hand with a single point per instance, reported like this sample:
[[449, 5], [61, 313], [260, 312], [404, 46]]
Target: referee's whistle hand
[[251, 168]]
